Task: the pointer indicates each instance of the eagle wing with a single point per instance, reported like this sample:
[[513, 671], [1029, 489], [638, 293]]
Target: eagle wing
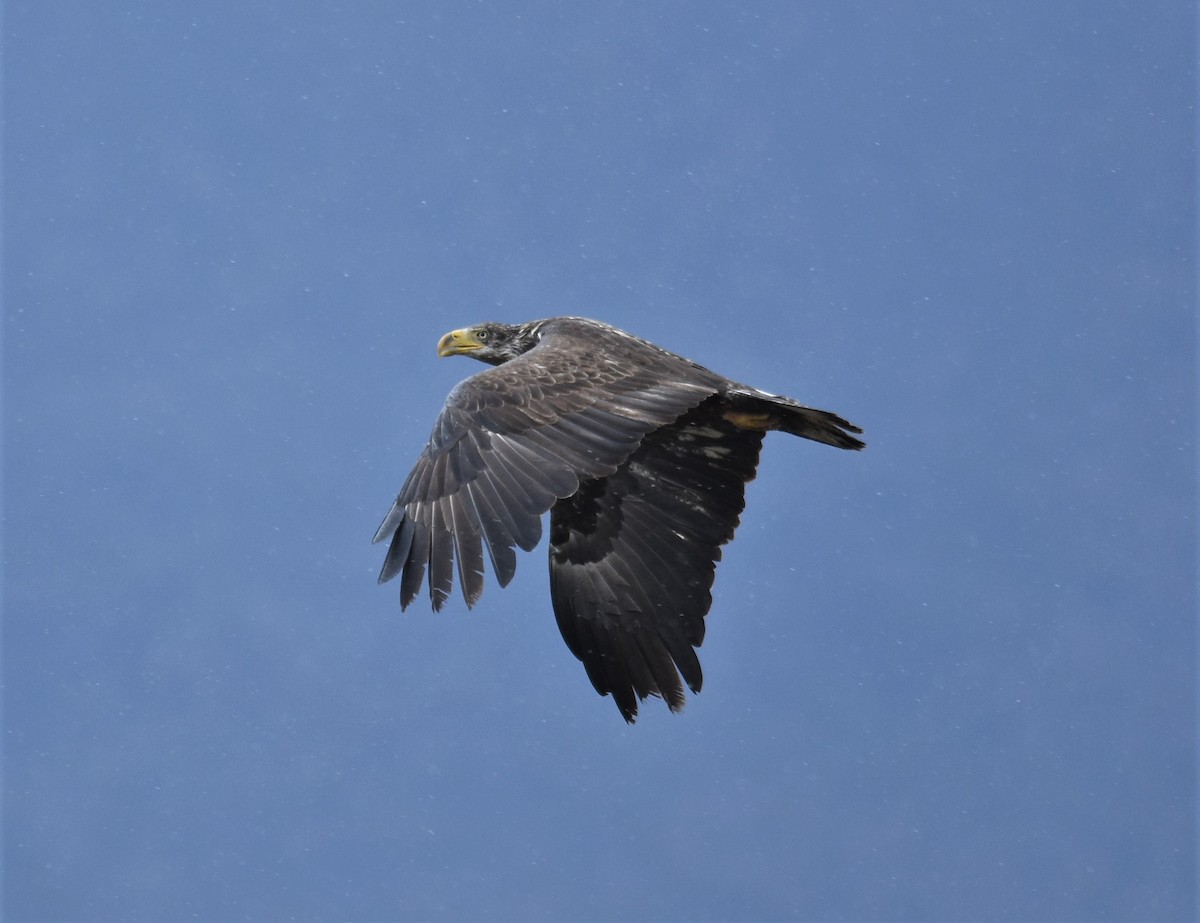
[[633, 555], [513, 440]]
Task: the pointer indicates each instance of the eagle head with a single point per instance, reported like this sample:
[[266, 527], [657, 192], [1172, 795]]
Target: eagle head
[[492, 342]]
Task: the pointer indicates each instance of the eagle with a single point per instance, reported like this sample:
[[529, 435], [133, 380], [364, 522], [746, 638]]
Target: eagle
[[641, 458]]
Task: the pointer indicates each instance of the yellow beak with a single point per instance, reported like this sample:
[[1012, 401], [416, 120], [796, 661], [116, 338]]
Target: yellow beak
[[457, 342]]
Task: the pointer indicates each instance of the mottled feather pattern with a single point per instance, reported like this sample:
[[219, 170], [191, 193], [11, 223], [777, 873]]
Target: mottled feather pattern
[[641, 458]]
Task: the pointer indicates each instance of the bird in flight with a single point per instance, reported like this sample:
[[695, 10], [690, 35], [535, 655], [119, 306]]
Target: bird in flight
[[641, 458]]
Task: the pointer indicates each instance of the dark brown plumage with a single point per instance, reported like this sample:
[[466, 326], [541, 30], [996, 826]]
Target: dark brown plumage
[[639, 455]]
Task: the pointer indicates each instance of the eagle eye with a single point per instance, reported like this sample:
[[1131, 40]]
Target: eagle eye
[[483, 335]]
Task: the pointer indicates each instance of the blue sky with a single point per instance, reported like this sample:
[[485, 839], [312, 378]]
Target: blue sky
[[948, 678]]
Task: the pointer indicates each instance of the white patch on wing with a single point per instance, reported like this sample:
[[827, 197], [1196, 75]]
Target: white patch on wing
[[749, 391]]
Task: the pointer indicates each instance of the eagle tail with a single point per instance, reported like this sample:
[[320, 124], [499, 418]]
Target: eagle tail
[[754, 409]]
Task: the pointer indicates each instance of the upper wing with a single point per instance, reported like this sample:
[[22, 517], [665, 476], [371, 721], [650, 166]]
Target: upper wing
[[632, 556], [510, 442]]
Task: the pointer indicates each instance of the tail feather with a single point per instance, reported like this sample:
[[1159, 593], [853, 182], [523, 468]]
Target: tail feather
[[820, 425], [772, 411]]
